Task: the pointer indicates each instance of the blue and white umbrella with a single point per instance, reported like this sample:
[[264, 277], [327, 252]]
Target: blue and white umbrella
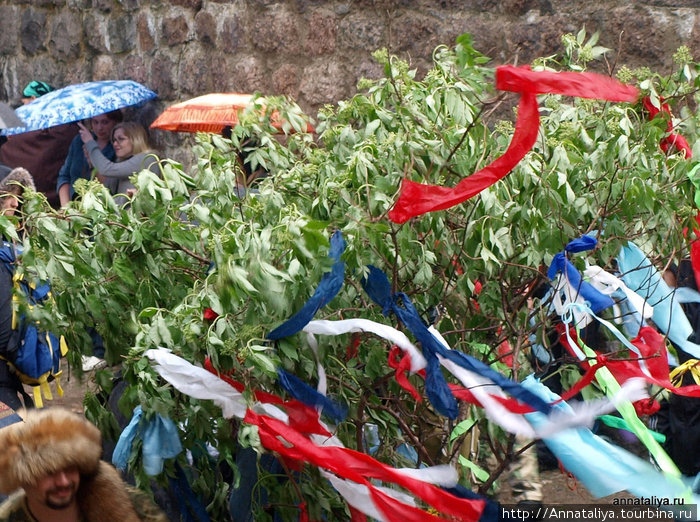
[[78, 102]]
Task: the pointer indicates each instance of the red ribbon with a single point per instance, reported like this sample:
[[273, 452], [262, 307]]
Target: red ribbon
[[650, 344], [277, 436], [403, 365], [673, 140], [695, 260], [209, 314], [417, 198], [347, 463]]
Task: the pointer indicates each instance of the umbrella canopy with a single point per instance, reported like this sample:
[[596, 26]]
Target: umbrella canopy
[[209, 113], [8, 118], [78, 102]]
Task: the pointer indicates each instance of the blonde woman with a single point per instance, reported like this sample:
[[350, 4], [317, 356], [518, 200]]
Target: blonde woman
[[77, 165], [132, 152]]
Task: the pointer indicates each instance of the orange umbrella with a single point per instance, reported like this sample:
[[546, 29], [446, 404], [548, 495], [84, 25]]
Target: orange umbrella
[[209, 113]]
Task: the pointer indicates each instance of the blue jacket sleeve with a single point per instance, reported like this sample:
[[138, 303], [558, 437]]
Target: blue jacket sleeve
[[64, 174]]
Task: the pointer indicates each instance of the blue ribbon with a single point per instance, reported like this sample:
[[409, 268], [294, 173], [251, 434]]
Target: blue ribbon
[[160, 442], [329, 286], [640, 275], [377, 286], [601, 467], [306, 394], [327, 289], [561, 263], [191, 508], [581, 244], [492, 510]]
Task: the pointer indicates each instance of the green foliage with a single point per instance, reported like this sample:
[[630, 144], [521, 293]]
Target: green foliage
[[142, 274]]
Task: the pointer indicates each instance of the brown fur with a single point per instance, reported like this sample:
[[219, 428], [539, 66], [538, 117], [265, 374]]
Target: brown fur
[[104, 498], [48, 440], [17, 181]]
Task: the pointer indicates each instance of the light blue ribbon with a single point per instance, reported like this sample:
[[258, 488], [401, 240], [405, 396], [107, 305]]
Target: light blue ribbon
[[160, 441], [601, 467], [640, 275]]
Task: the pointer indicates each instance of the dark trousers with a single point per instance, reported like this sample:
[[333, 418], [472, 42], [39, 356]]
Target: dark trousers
[[11, 390]]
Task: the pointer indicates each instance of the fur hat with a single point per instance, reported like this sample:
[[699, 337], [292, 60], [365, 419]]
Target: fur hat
[[48, 441], [18, 176]]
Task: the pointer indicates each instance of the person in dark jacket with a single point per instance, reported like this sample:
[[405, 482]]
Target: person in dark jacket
[[12, 393], [41, 152]]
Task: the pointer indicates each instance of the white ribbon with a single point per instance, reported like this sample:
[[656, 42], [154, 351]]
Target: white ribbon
[[561, 285], [198, 382], [392, 335], [606, 283]]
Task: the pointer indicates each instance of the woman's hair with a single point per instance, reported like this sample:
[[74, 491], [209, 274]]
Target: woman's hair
[[136, 133]]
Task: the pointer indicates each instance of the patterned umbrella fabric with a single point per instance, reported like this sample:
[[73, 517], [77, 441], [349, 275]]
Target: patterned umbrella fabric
[[209, 113], [78, 102], [8, 118]]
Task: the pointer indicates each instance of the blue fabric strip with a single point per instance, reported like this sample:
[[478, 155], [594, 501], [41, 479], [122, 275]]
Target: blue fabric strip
[[581, 244], [492, 510], [160, 441], [378, 288], [120, 455], [328, 287], [191, 508], [598, 301], [641, 276], [306, 394]]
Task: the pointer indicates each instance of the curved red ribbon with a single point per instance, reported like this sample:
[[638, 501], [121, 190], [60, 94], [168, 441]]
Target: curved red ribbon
[[673, 140], [360, 468], [418, 198], [651, 345]]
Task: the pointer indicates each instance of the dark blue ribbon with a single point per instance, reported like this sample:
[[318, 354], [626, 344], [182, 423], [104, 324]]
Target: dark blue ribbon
[[330, 285], [327, 289], [491, 512], [581, 244], [190, 506], [309, 396], [561, 263], [377, 286]]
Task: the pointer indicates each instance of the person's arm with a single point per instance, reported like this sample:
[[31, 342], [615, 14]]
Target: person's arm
[[64, 194], [110, 169], [64, 181]]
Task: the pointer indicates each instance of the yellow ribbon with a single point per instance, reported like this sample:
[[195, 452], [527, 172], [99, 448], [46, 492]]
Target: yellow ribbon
[[691, 365]]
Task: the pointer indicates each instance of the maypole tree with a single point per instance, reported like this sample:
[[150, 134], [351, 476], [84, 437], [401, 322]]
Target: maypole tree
[[369, 220]]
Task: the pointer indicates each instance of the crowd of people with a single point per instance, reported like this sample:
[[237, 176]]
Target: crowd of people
[[103, 147], [50, 461]]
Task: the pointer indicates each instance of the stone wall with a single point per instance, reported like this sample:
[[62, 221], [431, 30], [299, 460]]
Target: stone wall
[[312, 50]]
